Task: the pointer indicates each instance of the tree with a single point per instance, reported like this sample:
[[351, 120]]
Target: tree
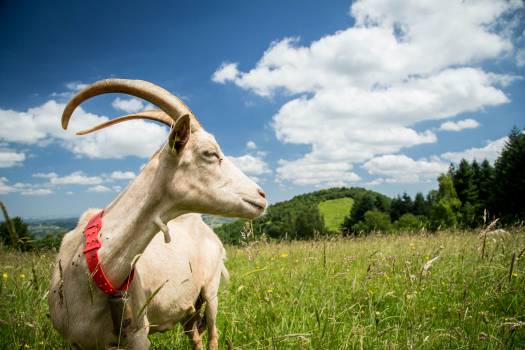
[[509, 180], [309, 222], [409, 222], [361, 205], [25, 239], [467, 191], [374, 220], [485, 183], [420, 207], [400, 206], [445, 211]]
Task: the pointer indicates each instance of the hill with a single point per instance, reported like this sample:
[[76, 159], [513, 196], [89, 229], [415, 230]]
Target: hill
[[300, 217]]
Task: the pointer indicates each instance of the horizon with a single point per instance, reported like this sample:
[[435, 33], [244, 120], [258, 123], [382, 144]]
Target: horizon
[[357, 94]]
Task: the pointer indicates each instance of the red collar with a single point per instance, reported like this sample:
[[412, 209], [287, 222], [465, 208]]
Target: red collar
[[91, 248]]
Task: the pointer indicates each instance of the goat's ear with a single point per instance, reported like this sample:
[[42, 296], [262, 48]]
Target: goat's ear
[[180, 134]]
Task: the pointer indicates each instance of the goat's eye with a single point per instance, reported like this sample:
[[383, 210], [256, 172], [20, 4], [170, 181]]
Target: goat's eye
[[211, 154]]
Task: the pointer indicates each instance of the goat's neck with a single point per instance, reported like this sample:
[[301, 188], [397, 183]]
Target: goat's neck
[[129, 221]]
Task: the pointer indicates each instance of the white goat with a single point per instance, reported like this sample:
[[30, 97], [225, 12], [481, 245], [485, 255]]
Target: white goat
[[191, 175]]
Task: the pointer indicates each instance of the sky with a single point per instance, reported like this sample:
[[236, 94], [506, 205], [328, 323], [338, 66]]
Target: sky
[[302, 95]]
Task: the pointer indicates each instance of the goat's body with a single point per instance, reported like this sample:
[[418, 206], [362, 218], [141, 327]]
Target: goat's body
[[184, 269]]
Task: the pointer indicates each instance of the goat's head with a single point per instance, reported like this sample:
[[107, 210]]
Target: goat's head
[[191, 168]]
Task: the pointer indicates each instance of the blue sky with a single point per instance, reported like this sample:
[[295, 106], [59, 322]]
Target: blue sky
[[302, 94]]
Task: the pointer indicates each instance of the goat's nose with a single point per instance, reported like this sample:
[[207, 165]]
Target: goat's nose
[[261, 192]]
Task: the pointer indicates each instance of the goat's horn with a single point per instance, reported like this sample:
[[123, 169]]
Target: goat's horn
[[170, 104], [155, 115]]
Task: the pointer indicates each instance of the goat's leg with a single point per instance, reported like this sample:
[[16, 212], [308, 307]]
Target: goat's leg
[[192, 331], [192, 325], [211, 316]]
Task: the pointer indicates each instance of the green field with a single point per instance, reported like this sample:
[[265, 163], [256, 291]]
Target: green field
[[371, 292], [334, 212]]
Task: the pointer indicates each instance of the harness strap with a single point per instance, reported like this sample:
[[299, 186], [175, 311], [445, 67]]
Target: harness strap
[[91, 248]]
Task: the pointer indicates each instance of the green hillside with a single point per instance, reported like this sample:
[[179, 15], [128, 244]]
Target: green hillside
[[301, 217], [334, 212]]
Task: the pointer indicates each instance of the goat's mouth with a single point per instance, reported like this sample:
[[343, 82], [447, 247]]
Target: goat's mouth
[[256, 204]]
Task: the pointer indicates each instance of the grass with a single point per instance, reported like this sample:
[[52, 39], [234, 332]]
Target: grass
[[334, 212], [370, 292]]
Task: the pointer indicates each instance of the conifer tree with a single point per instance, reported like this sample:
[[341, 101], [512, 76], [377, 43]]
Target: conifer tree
[[508, 201]]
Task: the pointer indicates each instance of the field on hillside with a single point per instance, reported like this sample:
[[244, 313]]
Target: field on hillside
[[334, 212], [445, 290]]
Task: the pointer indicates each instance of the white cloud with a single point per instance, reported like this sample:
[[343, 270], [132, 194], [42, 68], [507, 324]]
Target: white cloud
[[490, 152], [459, 125], [252, 165], [520, 57], [10, 158], [41, 125], [75, 86], [75, 178], [357, 94], [5, 188], [251, 145], [99, 189], [24, 188], [131, 105], [122, 175], [226, 72], [46, 175], [402, 169], [36, 192], [311, 172]]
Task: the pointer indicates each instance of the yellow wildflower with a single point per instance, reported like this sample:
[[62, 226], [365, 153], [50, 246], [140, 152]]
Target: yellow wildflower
[[514, 274], [22, 276], [5, 275], [284, 255], [270, 290]]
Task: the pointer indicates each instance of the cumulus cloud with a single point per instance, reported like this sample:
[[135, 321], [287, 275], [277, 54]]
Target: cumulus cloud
[[490, 152], [41, 125], [402, 169], [312, 172], [24, 189], [10, 158], [226, 72], [356, 94], [131, 105], [75, 178], [251, 164], [398, 168], [5, 188], [251, 145], [36, 192], [99, 189], [122, 175], [459, 125]]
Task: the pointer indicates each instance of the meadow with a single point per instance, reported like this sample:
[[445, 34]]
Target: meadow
[[453, 289]]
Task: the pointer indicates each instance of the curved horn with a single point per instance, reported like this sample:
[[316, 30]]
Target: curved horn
[[155, 115], [170, 104]]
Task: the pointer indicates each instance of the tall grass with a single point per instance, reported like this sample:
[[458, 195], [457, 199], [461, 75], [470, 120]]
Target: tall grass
[[371, 292]]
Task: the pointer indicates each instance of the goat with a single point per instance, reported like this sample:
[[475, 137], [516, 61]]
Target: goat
[[189, 175]]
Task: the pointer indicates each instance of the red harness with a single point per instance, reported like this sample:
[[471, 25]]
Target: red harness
[[91, 248]]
